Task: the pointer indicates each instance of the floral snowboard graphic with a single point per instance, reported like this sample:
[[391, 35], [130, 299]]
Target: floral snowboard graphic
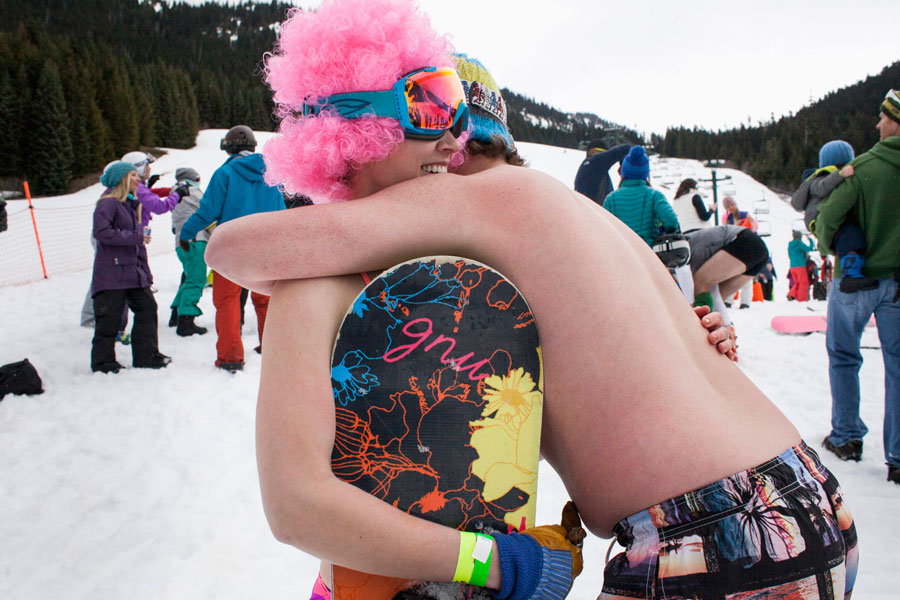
[[436, 374]]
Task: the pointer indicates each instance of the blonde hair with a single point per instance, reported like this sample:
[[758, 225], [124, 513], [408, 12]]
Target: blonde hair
[[122, 191]]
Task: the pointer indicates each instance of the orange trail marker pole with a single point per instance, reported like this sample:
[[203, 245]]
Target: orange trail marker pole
[[34, 224]]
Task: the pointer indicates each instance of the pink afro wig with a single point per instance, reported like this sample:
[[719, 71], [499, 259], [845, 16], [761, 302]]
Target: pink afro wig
[[343, 46]]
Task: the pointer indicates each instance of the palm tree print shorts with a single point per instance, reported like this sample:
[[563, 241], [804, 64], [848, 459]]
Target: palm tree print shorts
[[779, 530]]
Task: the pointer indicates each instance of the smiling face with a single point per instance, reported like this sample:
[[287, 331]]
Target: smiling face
[[133, 180], [729, 204], [408, 160]]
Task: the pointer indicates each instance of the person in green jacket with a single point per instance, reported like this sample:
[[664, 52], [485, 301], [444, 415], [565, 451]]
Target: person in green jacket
[[638, 205], [871, 197]]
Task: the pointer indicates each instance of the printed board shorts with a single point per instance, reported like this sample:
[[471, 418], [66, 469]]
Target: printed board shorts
[[779, 530], [749, 248]]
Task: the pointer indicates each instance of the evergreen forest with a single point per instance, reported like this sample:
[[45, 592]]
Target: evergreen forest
[[777, 152], [84, 81]]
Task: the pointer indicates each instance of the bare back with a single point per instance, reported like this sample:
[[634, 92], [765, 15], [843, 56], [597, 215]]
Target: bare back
[[638, 407]]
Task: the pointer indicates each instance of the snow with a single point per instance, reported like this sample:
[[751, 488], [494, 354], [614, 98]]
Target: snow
[[143, 484]]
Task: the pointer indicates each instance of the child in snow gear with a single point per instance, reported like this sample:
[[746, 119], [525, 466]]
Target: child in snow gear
[[849, 241]]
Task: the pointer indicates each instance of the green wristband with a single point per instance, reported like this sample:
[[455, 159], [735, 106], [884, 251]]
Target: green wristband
[[481, 559], [474, 561]]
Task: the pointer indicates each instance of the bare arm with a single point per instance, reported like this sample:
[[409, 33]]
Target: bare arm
[[305, 504], [416, 218]]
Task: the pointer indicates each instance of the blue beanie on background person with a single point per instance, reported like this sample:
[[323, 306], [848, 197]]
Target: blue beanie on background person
[[636, 165], [835, 152], [115, 171]]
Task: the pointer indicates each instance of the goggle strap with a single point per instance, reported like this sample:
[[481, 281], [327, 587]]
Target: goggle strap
[[355, 104]]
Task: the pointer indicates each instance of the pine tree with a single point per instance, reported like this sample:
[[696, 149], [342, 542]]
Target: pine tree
[[49, 165], [9, 132]]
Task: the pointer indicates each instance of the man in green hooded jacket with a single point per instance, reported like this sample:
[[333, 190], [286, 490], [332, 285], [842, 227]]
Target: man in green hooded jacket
[[871, 198]]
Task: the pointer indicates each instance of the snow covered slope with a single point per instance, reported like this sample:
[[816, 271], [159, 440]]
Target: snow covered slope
[[143, 484]]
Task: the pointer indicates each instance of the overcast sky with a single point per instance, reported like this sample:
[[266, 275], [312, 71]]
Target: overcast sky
[[657, 63]]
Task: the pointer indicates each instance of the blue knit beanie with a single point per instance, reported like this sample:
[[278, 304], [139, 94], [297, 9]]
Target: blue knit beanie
[[636, 165], [835, 152], [114, 173], [487, 109]]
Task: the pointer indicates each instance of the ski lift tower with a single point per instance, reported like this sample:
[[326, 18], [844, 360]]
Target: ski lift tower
[[712, 163]]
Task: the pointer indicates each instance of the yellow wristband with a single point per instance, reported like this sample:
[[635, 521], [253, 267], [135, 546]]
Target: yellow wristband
[[465, 564], [474, 561]]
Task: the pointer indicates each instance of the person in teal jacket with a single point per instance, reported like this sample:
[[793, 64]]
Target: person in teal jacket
[[871, 198], [235, 190], [797, 253], [638, 205]]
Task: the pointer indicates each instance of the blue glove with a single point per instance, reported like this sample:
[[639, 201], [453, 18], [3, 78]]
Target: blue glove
[[541, 562]]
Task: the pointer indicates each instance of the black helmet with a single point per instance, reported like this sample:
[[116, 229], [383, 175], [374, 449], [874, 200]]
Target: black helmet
[[238, 138]]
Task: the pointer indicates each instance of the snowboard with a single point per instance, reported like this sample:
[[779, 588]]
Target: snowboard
[[438, 390], [804, 324]]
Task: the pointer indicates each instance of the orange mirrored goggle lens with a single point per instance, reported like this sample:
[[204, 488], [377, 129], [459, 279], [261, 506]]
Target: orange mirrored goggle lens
[[433, 98]]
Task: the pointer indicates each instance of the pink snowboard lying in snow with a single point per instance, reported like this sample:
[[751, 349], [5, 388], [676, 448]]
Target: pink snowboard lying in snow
[[804, 324]]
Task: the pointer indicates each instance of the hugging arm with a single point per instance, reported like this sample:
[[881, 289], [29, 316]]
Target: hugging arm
[[305, 504], [308, 507]]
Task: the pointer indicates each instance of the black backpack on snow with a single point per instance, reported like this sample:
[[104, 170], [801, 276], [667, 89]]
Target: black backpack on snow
[[19, 378]]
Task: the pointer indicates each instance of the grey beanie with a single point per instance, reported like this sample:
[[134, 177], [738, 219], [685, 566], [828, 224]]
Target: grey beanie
[[186, 174]]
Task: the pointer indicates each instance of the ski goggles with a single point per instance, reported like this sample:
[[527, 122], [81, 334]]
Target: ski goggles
[[891, 105], [426, 102]]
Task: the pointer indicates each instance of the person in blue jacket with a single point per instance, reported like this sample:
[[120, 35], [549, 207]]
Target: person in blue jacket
[[592, 178], [638, 205], [235, 190]]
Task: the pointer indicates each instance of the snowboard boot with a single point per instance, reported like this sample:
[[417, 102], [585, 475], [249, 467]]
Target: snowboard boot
[[173, 318], [851, 450], [231, 367], [852, 278], [187, 327], [107, 367], [157, 361], [894, 473]]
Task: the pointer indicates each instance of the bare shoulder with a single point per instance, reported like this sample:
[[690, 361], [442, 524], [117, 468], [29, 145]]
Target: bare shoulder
[[517, 184]]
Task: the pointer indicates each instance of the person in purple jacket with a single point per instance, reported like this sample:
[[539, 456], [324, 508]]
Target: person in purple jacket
[[121, 274], [151, 203]]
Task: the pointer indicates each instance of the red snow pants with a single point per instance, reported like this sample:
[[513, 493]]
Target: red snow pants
[[227, 300], [800, 289]]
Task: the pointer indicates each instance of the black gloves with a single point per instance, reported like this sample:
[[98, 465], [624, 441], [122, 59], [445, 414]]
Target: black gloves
[[185, 245], [152, 180], [182, 191]]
